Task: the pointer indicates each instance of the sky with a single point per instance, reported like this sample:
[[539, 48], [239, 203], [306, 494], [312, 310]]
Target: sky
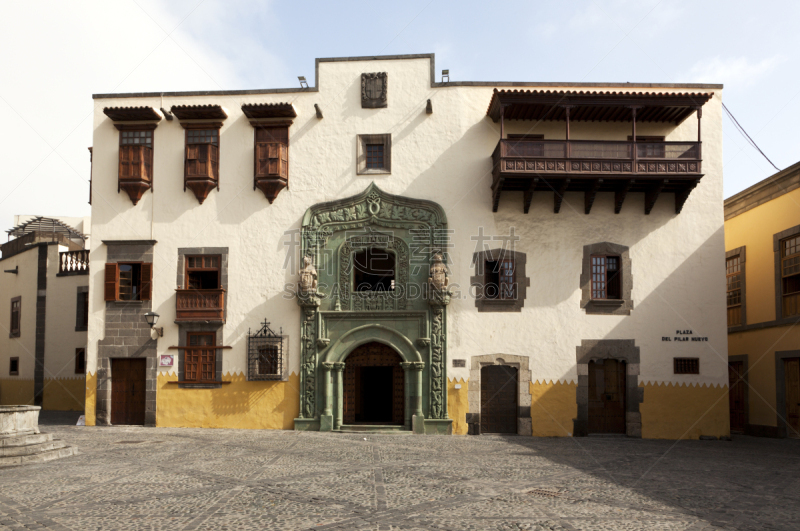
[[56, 54]]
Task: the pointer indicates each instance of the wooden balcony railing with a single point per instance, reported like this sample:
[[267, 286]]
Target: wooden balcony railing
[[200, 305], [595, 166], [73, 263], [590, 157]]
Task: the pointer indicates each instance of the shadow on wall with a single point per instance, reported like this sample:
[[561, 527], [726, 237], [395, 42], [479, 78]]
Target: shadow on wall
[[668, 411], [238, 405]]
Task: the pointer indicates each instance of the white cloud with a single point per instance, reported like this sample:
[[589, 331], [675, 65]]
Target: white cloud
[[733, 71]]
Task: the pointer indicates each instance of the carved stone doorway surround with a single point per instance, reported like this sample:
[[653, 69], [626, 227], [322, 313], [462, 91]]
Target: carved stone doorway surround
[[616, 349], [522, 363]]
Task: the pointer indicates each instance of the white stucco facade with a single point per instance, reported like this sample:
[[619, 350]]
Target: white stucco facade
[[443, 157]]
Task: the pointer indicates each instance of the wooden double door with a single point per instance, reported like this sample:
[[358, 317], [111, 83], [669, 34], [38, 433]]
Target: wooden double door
[[374, 386], [607, 396], [499, 399], [128, 382]]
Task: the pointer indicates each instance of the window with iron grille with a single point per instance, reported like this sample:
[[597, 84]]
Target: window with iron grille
[[686, 365], [733, 272], [790, 276], [500, 280], [265, 354], [374, 155], [606, 277]]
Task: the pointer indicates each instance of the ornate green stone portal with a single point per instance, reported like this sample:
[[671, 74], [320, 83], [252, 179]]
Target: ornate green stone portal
[[410, 317]]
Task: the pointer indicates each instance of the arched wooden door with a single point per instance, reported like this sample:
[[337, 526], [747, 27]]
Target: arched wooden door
[[499, 399], [374, 384]]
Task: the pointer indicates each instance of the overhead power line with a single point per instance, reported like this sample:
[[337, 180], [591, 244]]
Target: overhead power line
[[747, 137]]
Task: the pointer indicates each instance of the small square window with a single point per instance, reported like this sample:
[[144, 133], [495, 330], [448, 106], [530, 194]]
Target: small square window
[[13, 367], [686, 365], [374, 154], [16, 317]]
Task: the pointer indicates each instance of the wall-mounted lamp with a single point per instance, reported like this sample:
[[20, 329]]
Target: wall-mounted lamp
[[152, 318], [15, 271], [446, 74], [303, 82]]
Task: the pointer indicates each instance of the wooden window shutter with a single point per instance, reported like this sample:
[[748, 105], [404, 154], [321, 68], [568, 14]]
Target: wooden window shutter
[[125, 163], [192, 153], [262, 159], [213, 157], [111, 292], [147, 281], [284, 158]]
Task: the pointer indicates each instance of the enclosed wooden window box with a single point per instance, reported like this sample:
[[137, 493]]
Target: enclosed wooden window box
[[194, 305], [135, 170]]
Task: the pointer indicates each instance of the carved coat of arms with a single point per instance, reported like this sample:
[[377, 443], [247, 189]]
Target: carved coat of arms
[[374, 90]]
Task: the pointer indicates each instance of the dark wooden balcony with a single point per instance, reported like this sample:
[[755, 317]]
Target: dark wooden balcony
[[532, 165], [559, 166], [193, 305]]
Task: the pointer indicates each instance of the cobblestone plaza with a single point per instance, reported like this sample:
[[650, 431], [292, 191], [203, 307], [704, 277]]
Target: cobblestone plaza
[[145, 478]]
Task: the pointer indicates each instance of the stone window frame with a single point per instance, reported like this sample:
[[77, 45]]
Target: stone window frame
[[616, 349], [185, 328], [15, 332], [592, 306], [780, 389], [742, 254], [127, 335], [776, 247], [361, 154], [522, 364], [478, 280], [745, 378], [79, 309]]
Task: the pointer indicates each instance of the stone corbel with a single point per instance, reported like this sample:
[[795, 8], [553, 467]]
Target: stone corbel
[[310, 299], [322, 342], [438, 297], [424, 342]]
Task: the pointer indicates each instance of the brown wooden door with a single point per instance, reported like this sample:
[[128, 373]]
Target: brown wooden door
[[374, 386], [792, 368], [127, 391], [498, 399], [736, 392], [607, 397]]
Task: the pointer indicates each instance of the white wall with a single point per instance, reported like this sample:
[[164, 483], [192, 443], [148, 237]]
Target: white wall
[[444, 157]]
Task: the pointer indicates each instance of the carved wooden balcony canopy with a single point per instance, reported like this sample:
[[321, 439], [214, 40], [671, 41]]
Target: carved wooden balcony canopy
[[269, 110], [130, 114], [199, 112], [650, 166], [549, 105]]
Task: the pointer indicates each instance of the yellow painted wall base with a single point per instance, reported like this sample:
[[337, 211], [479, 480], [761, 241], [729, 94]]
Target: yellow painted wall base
[[240, 404], [458, 405], [672, 411], [553, 408], [64, 394], [16, 391], [91, 399]]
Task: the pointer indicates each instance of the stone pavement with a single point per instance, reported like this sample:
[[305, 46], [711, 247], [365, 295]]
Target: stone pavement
[[174, 479]]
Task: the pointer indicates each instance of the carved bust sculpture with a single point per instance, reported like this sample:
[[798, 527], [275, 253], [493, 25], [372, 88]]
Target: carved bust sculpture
[[438, 275], [308, 276]]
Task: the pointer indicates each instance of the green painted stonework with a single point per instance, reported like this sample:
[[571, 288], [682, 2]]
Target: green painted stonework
[[411, 319]]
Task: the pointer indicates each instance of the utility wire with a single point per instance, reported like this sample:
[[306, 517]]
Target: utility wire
[[747, 137]]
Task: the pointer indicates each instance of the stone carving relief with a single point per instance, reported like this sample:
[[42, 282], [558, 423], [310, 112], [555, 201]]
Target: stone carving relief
[[374, 90], [438, 278], [308, 276]]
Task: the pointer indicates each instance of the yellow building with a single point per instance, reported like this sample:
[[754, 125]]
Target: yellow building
[[762, 240]]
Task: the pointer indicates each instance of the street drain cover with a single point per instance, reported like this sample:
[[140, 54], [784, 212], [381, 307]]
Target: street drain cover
[[544, 493]]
